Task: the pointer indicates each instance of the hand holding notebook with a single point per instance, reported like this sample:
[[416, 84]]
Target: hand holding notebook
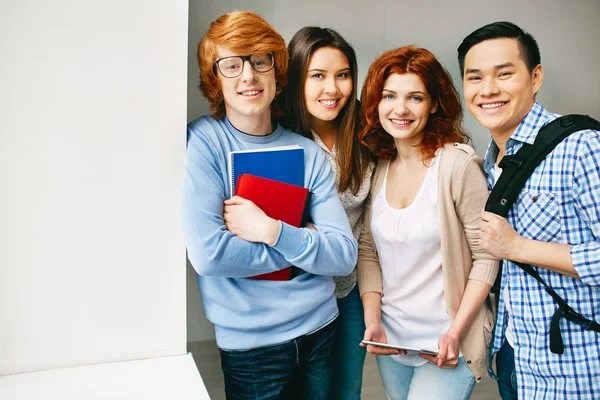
[[247, 221], [278, 200]]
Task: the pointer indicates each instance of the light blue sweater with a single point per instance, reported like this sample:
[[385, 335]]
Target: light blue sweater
[[250, 313]]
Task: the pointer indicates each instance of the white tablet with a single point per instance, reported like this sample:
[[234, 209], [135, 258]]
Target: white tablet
[[394, 346]]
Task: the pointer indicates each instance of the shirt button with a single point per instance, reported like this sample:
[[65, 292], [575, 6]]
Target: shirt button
[[534, 199], [478, 378], [468, 361]]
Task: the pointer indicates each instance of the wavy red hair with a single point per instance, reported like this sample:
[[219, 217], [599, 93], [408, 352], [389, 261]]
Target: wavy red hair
[[244, 33], [443, 126]]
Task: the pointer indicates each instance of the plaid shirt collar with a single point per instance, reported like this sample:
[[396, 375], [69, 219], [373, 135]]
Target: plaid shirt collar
[[526, 132]]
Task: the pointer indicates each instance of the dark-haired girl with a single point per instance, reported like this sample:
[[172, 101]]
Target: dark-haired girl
[[320, 103]]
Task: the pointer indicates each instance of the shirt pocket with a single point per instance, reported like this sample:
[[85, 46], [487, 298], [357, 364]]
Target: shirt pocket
[[538, 216]]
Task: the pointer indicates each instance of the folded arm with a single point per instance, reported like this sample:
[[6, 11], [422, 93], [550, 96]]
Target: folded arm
[[580, 261], [216, 251], [330, 249], [212, 249], [501, 240]]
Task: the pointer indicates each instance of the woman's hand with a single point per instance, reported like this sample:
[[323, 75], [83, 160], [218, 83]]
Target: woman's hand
[[245, 220], [375, 333], [447, 357]]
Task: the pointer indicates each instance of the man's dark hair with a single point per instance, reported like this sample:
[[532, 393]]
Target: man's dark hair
[[528, 47]]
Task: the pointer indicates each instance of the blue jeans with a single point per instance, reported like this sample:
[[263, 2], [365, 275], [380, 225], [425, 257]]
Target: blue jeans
[[349, 356], [505, 367], [298, 369], [425, 382]]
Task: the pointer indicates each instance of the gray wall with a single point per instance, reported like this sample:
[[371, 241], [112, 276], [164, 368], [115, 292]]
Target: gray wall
[[565, 31]]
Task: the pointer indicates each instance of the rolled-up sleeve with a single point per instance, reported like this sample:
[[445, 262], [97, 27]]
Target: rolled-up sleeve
[[586, 193]]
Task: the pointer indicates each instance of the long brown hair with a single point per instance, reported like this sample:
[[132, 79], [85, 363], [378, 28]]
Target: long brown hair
[[352, 157], [443, 126]]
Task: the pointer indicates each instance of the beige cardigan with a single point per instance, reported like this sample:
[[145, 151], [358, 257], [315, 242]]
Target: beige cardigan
[[462, 195]]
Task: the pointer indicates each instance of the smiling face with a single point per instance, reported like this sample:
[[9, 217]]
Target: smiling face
[[328, 84], [499, 89], [404, 108], [248, 97]]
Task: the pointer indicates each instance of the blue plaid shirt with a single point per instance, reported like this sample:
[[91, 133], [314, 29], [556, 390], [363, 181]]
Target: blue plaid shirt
[[560, 203]]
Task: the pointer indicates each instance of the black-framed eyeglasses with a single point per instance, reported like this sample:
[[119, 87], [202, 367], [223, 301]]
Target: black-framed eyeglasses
[[233, 66]]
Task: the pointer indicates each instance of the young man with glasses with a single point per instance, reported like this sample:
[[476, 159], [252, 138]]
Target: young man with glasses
[[275, 337]]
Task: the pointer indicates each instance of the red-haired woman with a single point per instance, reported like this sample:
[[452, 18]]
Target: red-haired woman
[[423, 277]]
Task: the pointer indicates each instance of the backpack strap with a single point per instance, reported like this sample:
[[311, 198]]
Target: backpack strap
[[564, 310], [516, 170]]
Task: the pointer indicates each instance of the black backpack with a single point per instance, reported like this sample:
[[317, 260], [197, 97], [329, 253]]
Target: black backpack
[[516, 170]]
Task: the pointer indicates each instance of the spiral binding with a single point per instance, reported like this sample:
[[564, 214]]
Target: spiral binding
[[306, 209]]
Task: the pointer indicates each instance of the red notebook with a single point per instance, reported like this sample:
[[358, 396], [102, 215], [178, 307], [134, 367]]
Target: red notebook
[[282, 201]]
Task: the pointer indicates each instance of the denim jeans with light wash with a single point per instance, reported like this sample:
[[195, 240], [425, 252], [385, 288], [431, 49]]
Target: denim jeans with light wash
[[349, 356], [425, 382], [298, 369], [505, 367]]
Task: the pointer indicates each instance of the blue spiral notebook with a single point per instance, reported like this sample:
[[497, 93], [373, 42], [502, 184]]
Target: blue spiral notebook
[[283, 164]]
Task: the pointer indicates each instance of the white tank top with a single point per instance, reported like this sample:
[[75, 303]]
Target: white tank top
[[413, 310]]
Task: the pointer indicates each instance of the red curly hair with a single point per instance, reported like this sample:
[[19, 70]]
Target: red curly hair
[[443, 126], [244, 33]]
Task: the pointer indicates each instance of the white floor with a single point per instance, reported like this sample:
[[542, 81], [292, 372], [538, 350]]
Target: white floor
[[173, 377]]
